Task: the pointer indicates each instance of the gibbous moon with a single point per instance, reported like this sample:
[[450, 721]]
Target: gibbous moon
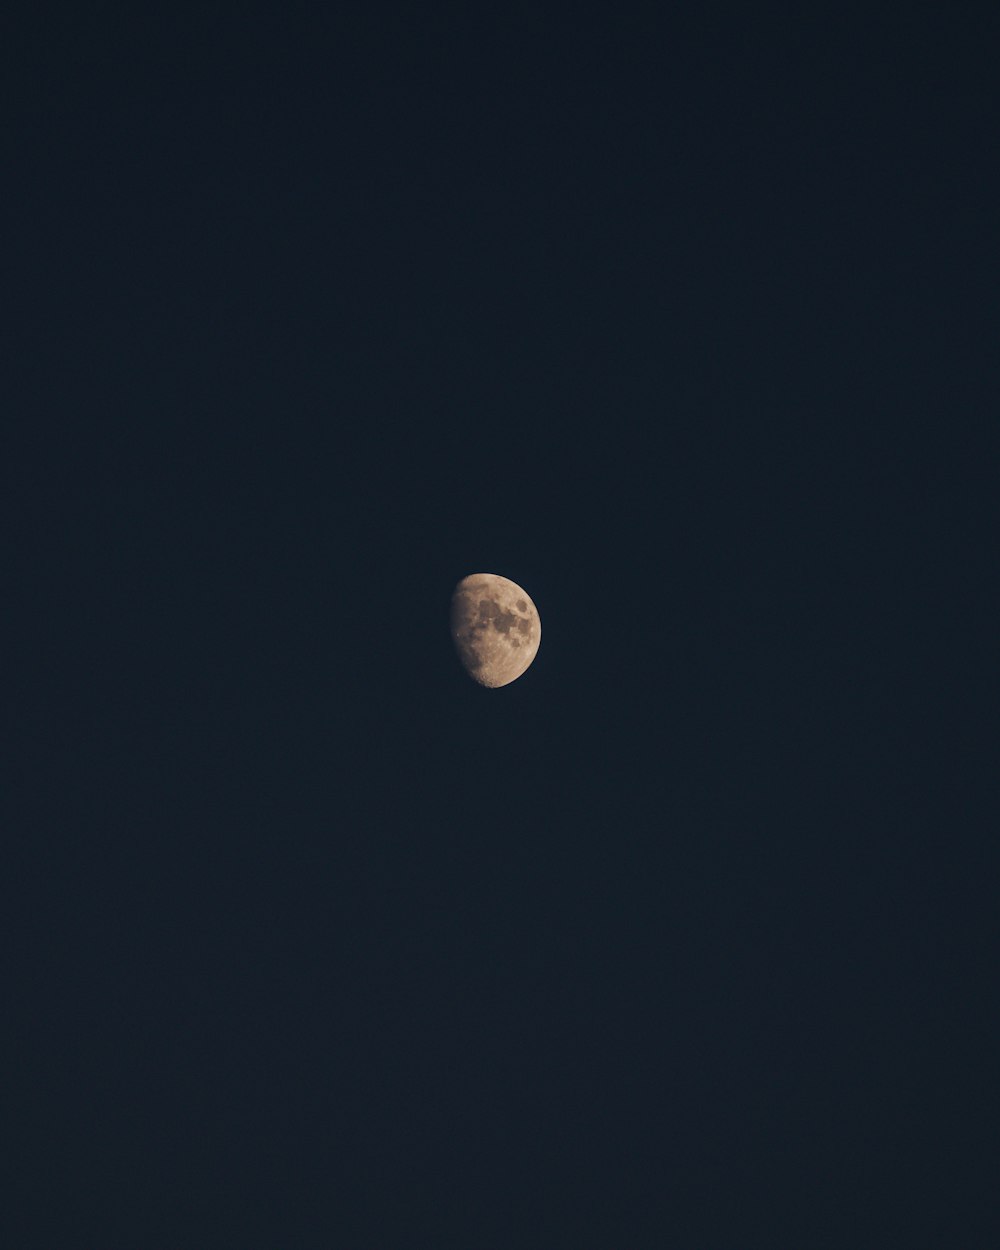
[[495, 628]]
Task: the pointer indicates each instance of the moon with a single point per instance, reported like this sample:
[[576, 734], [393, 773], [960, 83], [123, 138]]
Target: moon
[[495, 628]]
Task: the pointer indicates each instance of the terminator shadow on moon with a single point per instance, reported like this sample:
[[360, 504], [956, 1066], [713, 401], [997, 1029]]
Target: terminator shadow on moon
[[495, 628]]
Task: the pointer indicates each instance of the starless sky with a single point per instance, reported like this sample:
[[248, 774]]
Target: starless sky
[[685, 321]]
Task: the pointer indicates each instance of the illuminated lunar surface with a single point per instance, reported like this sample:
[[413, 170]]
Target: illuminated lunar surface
[[495, 628]]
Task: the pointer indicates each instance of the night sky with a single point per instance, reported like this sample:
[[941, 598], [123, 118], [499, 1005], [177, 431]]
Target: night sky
[[684, 319]]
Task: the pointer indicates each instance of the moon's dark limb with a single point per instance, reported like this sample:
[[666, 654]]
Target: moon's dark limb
[[495, 628]]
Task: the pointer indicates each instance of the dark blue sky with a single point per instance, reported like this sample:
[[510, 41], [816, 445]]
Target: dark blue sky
[[686, 323]]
